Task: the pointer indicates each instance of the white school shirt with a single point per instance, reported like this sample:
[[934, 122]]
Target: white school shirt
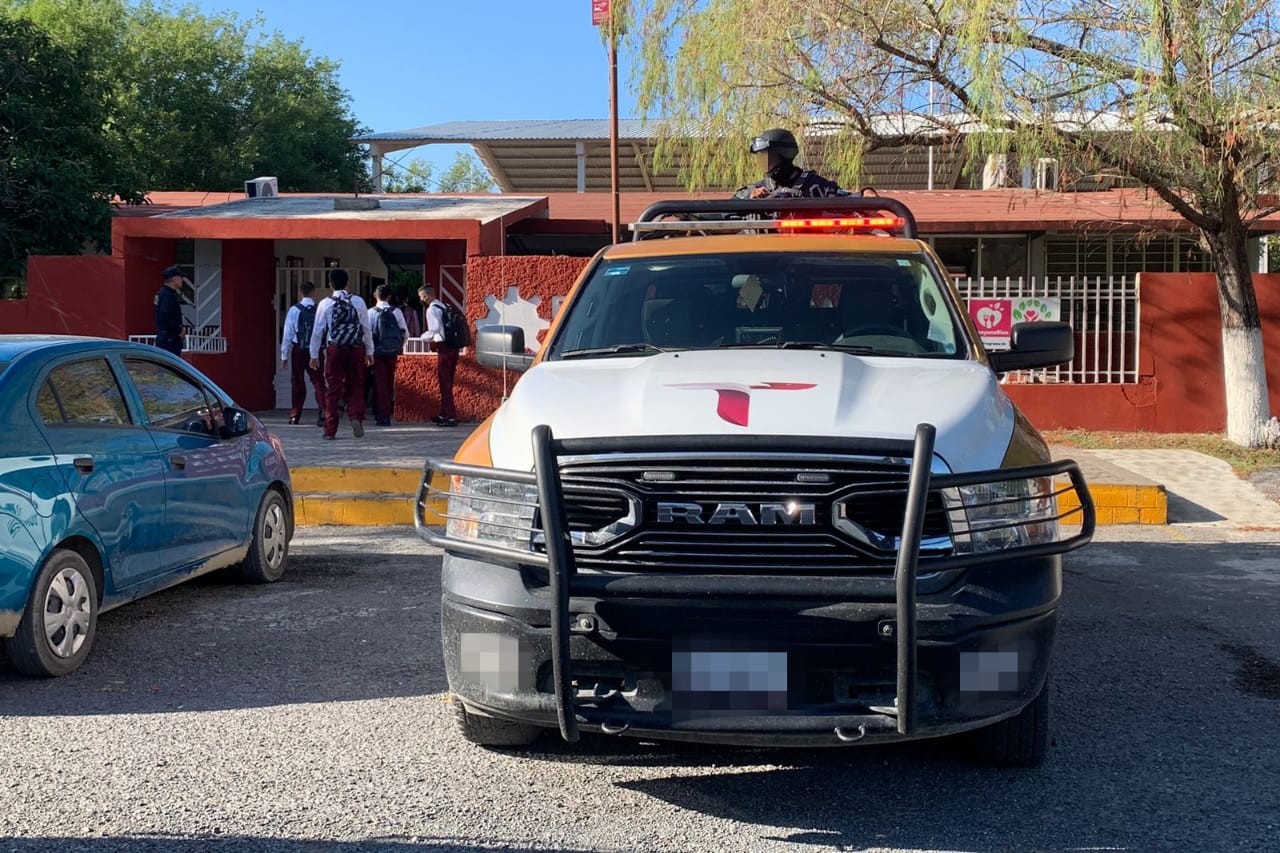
[[291, 327], [322, 322]]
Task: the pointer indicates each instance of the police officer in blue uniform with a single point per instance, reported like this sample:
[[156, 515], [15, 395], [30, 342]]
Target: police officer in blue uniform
[[776, 149], [168, 302]]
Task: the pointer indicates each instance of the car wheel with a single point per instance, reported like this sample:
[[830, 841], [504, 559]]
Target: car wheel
[[1021, 740], [269, 550], [492, 731], [61, 618]]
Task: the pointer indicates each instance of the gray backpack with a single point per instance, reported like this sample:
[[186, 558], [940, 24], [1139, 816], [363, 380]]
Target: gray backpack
[[344, 322]]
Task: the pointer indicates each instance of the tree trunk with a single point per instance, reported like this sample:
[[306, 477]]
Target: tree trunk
[[1249, 421]]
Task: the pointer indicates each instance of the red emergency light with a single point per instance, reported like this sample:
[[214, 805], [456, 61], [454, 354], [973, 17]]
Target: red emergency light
[[868, 223]]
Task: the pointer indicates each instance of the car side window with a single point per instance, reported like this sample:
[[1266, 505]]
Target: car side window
[[83, 393], [170, 400]]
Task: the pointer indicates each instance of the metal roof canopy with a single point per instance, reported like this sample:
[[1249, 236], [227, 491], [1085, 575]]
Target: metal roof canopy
[[572, 155], [480, 208]]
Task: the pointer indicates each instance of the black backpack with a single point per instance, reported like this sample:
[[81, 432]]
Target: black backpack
[[388, 337], [306, 324], [453, 326], [344, 322]]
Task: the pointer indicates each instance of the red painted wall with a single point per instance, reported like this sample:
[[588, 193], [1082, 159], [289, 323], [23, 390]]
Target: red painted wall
[[69, 295], [477, 390], [1181, 386], [245, 371]]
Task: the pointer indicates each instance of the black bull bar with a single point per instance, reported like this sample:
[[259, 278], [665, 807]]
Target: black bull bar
[[558, 557]]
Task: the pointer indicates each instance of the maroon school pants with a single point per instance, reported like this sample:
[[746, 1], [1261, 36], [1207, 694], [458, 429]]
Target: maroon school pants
[[300, 370], [446, 366], [384, 384], [344, 376]]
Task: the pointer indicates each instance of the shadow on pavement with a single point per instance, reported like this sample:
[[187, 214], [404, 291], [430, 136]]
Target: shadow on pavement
[[1164, 738], [339, 626], [228, 844]]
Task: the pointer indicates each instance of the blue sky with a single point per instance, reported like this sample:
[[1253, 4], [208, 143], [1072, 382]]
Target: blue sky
[[408, 63]]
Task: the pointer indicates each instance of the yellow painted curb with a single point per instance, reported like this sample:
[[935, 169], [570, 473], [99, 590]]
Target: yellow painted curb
[[375, 481], [1119, 504], [360, 510], [384, 496]]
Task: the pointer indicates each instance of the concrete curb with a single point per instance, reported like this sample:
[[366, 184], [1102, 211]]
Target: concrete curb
[[379, 497]]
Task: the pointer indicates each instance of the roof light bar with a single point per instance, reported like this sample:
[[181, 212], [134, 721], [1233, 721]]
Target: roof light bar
[[870, 222]]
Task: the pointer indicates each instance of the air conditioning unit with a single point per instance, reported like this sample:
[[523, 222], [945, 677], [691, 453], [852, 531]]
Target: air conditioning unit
[[1047, 173], [261, 188]]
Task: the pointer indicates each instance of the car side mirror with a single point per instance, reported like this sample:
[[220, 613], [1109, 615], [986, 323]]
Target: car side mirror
[[1041, 344], [502, 347], [235, 422]]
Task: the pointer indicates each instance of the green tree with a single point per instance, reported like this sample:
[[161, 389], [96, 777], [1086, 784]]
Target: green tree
[[466, 175], [203, 101], [59, 172], [412, 177], [1181, 95]]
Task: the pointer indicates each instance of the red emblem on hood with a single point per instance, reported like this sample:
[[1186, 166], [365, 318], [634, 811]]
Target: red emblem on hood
[[734, 404]]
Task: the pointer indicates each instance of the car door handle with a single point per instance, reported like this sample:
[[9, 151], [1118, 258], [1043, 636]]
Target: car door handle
[[84, 464], [178, 462]]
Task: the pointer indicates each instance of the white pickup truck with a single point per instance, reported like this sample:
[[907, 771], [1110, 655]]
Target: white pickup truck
[[761, 486]]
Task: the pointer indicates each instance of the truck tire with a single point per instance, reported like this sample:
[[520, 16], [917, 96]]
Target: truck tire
[[492, 731], [1021, 740]]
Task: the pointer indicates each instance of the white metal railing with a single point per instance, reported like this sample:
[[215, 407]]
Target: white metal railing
[[1103, 311], [417, 346], [204, 344]]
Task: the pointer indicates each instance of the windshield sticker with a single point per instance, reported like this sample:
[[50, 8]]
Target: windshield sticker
[[617, 270]]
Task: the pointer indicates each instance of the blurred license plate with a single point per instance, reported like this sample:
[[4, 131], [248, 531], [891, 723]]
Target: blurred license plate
[[726, 678]]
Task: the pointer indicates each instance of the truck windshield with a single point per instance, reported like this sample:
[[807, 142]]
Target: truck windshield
[[882, 304]]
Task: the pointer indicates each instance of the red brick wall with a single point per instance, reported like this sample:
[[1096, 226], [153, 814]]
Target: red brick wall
[[477, 390]]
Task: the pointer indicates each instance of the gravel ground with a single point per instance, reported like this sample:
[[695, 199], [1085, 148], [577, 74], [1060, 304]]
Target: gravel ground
[[311, 716]]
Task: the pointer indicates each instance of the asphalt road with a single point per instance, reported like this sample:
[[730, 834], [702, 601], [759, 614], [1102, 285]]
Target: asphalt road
[[310, 716]]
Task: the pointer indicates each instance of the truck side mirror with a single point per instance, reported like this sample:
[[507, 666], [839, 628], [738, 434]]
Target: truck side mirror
[[502, 347], [1042, 344]]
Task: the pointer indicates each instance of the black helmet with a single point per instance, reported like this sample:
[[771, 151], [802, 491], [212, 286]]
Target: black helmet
[[776, 141]]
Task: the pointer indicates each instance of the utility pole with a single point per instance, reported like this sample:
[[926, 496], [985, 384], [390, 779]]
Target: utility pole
[[602, 12]]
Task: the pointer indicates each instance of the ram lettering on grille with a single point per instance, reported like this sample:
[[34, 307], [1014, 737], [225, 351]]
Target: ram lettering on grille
[[763, 514]]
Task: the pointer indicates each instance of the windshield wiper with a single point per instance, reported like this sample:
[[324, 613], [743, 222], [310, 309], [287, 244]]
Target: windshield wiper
[[616, 349], [856, 349]]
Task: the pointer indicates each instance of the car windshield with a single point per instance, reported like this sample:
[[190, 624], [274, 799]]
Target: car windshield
[[877, 304]]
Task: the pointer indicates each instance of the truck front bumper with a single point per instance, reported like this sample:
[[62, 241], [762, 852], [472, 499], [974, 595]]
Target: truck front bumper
[[750, 670]]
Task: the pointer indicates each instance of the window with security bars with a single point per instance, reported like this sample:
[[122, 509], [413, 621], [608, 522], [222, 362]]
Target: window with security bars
[[1077, 255]]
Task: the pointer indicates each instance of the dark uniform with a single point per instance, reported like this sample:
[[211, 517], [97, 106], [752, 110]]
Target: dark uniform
[[803, 184], [168, 319]]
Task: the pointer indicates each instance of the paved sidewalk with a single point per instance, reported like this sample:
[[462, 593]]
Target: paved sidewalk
[[1203, 490]]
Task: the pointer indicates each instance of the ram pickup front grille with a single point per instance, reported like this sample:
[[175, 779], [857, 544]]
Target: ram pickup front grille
[[794, 514]]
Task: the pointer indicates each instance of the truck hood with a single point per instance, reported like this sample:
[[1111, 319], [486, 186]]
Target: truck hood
[[762, 392]]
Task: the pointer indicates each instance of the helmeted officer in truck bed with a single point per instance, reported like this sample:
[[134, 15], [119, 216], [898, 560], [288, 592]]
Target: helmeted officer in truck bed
[[776, 149]]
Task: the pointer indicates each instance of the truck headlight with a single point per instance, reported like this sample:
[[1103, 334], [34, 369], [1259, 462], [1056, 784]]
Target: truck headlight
[[495, 512], [1003, 514]]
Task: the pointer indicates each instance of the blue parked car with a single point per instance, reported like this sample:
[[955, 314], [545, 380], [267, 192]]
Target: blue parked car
[[123, 471]]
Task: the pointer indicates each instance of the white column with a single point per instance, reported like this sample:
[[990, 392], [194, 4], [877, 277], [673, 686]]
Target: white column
[[582, 167]]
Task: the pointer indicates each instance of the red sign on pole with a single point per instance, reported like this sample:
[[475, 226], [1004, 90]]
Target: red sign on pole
[[599, 12]]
